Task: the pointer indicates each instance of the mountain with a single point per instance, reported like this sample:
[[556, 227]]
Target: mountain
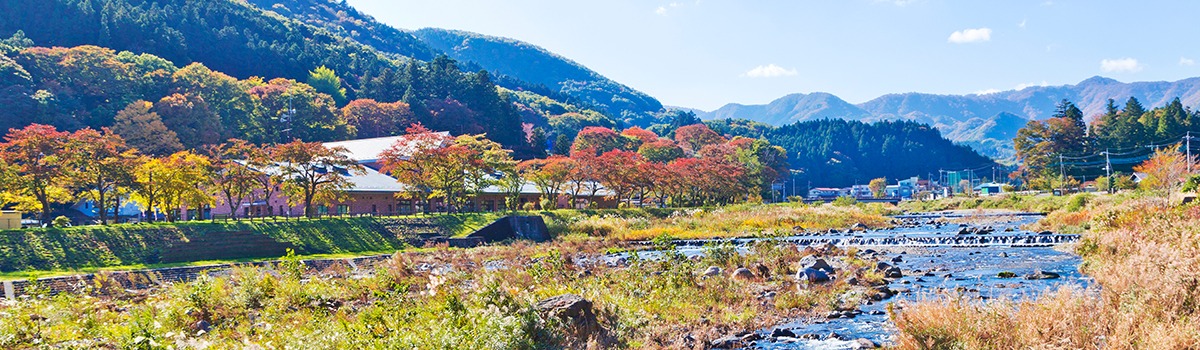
[[517, 65], [986, 122], [792, 108], [536, 65]]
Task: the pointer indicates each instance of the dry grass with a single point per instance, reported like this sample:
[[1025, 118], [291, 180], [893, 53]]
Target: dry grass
[[733, 221], [1145, 257]]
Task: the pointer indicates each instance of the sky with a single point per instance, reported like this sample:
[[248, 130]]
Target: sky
[[706, 53]]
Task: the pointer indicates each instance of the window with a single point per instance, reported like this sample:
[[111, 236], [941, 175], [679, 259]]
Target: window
[[373, 211], [322, 210], [343, 209]]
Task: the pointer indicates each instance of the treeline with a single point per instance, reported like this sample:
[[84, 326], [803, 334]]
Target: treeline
[[42, 167], [839, 153], [160, 108], [1064, 150]]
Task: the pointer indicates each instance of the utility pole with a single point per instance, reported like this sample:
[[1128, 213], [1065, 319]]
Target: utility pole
[[1108, 171], [1188, 139], [1062, 175]]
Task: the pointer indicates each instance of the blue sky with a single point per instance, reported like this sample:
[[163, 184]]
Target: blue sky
[[705, 53]]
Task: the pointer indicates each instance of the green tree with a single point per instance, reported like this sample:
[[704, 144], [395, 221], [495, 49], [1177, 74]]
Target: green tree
[[326, 81], [314, 174], [878, 187]]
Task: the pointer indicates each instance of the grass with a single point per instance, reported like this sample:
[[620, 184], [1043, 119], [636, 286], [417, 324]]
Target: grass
[[731, 221], [460, 304], [475, 298], [1142, 252], [25, 275]]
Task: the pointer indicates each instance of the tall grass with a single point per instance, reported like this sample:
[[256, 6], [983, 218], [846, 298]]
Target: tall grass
[[723, 222], [1145, 258]]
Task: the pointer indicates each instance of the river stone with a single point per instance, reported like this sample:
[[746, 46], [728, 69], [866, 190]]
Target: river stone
[[1006, 274], [864, 343], [1042, 275], [783, 332], [712, 271], [858, 226], [893, 272], [762, 270], [742, 273], [573, 310], [727, 342], [812, 275], [821, 264]]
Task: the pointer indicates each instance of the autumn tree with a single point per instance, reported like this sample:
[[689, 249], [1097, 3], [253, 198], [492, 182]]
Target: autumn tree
[[429, 164], [1165, 171], [878, 187], [694, 137], [191, 119], [293, 110], [38, 155], [232, 178], [550, 175], [618, 172], [635, 137], [313, 173], [101, 169], [173, 183], [598, 139], [661, 151], [144, 130], [583, 178], [375, 119]]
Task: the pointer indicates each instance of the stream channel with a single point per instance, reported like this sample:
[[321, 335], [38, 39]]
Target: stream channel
[[937, 252]]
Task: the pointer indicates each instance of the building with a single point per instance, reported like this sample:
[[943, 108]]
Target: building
[[824, 193], [10, 220], [376, 193], [988, 189]]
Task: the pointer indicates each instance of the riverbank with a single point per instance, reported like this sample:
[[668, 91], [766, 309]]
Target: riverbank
[[1144, 256]]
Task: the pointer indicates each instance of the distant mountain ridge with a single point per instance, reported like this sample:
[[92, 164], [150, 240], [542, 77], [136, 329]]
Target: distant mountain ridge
[[987, 122]]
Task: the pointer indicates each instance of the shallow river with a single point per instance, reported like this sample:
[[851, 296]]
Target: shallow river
[[935, 256]]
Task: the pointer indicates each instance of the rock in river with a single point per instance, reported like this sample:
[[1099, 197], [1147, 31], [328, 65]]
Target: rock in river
[[742, 273], [812, 275], [1042, 275]]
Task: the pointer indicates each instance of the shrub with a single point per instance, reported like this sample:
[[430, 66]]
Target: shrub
[[61, 221], [845, 201]]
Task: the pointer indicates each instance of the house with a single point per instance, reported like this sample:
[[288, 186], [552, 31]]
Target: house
[[824, 193], [988, 189], [90, 211], [1138, 177], [861, 191]]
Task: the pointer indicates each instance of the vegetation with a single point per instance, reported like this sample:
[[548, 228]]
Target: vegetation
[[484, 297], [840, 153], [1141, 254]]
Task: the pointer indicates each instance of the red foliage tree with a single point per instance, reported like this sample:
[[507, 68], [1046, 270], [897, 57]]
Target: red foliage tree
[[599, 139], [38, 155], [694, 137]]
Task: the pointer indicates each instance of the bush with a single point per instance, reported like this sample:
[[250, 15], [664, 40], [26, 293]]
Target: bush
[[61, 221], [845, 201], [1192, 184], [1078, 202]]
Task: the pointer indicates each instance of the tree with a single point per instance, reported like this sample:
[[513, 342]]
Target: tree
[[293, 110], [878, 187], [232, 178], [1165, 171], [313, 173], [635, 137], [661, 151], [618, 172], [38, 155], [488, 159], [326, 81], [173, 183], [375, 119], [144, 130], [694, 137], [550, 175], [562, 145], [101, 168], [191, 119], [598, 139], [429, 164]]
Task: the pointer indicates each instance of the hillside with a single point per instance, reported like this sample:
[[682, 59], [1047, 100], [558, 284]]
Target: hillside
[[984, 121], [339, 18], [538, 66], [837, 152]]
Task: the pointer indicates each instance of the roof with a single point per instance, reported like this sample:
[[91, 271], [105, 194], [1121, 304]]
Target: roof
[[374, 181], [368, 150]]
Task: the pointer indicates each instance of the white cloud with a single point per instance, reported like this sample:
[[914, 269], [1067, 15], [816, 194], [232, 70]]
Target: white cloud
[[987, 92], [1022, 24], [662, 10], [769, 71], [1184, 61], [1120, 65], [1026, 85], [967, 36]]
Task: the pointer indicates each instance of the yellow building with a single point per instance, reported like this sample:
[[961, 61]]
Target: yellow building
[[10, 220]]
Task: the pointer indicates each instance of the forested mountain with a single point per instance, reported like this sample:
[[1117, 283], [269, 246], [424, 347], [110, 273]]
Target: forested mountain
[[536, 65], [970, 118], [836, 152], [235, 38], [340, 18]]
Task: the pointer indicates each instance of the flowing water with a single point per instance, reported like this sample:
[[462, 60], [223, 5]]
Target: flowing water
[[937, 254]]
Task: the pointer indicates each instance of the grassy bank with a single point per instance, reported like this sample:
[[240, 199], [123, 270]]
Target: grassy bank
[[85, 247], [1144, 255], [724, 222]]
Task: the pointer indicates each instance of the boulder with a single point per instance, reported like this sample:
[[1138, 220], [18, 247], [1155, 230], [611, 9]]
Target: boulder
[[763, 270], [858, 226], [821, 264], [893, 272], [864, 343], [783, 332], [1042, 275], [742, 273], [727, 342], [712, 271], [1006, 274], [811, 275], [573, 310]]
